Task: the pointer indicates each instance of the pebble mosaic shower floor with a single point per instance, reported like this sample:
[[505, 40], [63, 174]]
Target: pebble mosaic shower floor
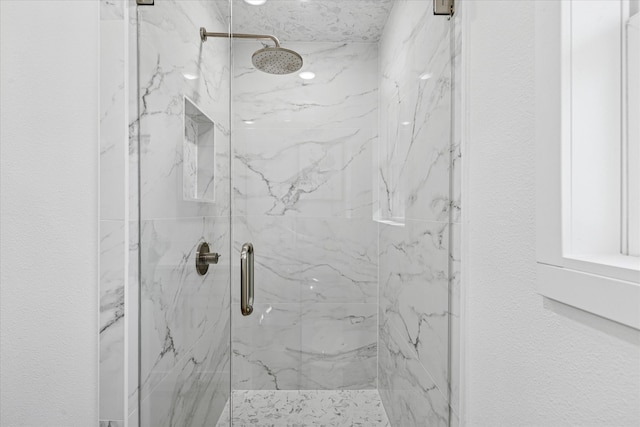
[[302, 408]]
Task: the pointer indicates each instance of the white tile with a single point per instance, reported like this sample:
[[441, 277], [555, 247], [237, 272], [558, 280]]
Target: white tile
[[340, 97], [415, 198], [415, 134], [414, 291], [337, 260], [266, 347], [408, 392], [170, 49], [196, 390], [112, 313], [309, 259], [276, 259], [304, 172], [339, 346], [178, 306]]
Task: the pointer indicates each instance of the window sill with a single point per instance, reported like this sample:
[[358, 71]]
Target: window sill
[[614, 299], [616, 266]]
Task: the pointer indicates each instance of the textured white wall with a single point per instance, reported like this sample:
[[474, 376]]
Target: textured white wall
[[49, 199], [529, 362]]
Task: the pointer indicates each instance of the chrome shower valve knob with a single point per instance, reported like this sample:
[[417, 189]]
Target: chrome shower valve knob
[[204, 257]]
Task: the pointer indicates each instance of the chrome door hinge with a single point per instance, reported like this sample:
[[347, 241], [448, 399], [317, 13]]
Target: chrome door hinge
[[443, 7], [144, 2]]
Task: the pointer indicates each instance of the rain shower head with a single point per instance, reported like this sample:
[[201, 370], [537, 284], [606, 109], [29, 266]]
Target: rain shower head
[[272, 60], [277, 60]]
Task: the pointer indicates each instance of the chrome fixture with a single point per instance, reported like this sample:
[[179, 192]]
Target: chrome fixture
[[204, 258], [272, 60], [246, 279]]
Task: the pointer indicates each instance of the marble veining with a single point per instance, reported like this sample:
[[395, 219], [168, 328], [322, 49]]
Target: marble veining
[[309, 346], [414, 291], [185, 348], [266, 347], [418, 204], [415, 134], [338, 346], [335, 408], [315, 317], [410, 396], [321, 172], [113, 224], [303, 196], [178, 306], [343, 94], [318, 20], [194, 393], [306, 260], [175, 63]]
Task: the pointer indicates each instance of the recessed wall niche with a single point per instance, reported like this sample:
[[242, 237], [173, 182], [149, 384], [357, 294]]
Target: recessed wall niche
[[198, 164]]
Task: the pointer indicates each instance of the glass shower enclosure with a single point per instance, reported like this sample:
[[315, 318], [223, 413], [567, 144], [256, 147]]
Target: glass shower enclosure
[[341, 178]]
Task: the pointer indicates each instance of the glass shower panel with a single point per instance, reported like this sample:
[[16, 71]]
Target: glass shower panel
[[341, 176], [341, 181], [184, 161]]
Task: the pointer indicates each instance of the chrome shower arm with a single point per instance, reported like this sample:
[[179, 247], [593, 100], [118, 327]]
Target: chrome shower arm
[[204, 34]]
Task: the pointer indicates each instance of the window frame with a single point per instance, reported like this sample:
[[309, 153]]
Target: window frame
[[605, 285]]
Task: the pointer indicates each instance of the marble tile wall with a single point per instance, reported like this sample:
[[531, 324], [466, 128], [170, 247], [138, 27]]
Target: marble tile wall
[[303, 194], [455, 254], [418, 209], [132, 308], [302, 177], [185, 325]]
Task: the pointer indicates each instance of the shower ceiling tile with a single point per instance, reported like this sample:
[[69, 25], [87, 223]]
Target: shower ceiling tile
[[317, 20]]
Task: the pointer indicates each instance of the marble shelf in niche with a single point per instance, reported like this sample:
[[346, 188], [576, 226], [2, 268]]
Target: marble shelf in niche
[[198, 164]]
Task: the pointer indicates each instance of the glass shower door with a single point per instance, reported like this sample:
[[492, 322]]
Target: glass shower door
[[341, 176], [341, 181], [184, 163]]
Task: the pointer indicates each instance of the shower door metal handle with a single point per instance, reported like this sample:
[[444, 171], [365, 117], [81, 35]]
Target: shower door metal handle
[[246, 279]]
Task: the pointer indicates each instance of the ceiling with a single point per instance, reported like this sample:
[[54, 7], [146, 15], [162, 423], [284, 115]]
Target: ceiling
[[314, 20]]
